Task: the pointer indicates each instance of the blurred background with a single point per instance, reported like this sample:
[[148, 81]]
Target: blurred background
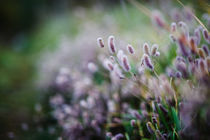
[[37, 37]]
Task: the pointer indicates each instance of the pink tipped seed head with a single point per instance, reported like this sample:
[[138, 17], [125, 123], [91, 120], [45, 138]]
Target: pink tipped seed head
[[184, 28], [157, 19], [197, 34], [173, 27], [201, 53], [157, 54], [146, 49], [202, 66], [206, 49], [206, 35], [108, 65], [154, 49], [100, 42], [111, 44], [208, 63], [130, 49], [193, 46], [147, 62], [125, 63]]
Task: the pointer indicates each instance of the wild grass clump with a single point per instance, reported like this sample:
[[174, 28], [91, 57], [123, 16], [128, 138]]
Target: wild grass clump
[[124, 94]]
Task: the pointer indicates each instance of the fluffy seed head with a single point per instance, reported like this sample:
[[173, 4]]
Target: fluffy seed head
[[201, 53], [206, 35], [154, 49], [112, 58], [206, 49], [125, 63], [100, 42], [202, 66], [157, 19], [147, 62], [146, 48], [157, 54], [173, 27], [130, 49], [111, 44], [197, 34], [182, 67], [108, 65], [183, 49], [208, 63], [184, 28], [178, 74], [193, 45]]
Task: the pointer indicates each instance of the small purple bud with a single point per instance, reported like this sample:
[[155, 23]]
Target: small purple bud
[[130, 49], [208, 63], [108, 65], [157, 19], [170, 72], [197, 34], [202, 66], [100, 42], [111, 44], [154, 49], [183, 48], [201, 53], [147, 62], [206, 49], [184, 28], [146, 49], [178, 74], [181, 66], [157, 53], [180, 59], [125, 63], [193, 45], [206, 35]]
